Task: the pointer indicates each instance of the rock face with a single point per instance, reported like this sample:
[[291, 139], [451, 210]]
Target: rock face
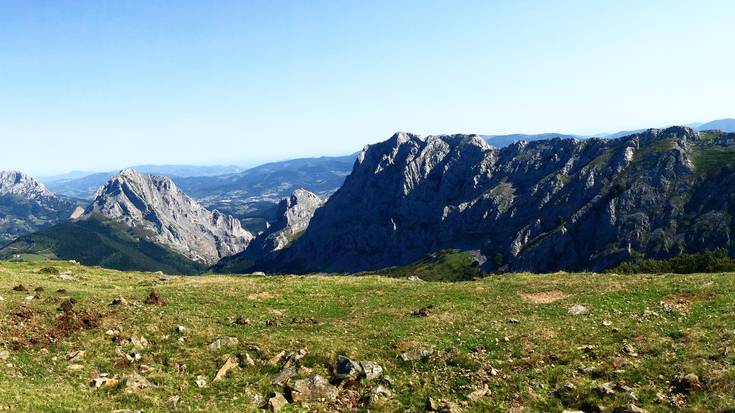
[[538, 206], [293, 216], [155, 208], [27, 206]]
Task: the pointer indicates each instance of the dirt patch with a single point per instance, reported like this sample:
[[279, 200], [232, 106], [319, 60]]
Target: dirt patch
[[265, 295], [544, 297], [154, 299], [683, 302]]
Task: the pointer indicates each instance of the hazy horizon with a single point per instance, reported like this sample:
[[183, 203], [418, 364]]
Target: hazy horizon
[[97, 86]]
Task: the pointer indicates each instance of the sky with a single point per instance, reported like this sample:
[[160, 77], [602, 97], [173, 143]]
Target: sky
[[98, 85]]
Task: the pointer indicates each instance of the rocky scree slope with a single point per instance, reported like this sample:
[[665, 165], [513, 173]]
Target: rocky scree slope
[[27, 206], [159, 211], [559, 204], [293, 216]]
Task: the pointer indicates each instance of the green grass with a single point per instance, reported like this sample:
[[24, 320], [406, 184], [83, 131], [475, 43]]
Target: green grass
[[711, 159], [676, 324]]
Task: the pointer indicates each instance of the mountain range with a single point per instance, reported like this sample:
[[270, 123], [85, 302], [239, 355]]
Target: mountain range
[[544, 203], [549, 205]]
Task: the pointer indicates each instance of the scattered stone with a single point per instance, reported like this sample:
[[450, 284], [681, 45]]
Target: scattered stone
[[307, 320], [686, 383], [241, 321], [223, 342], [288, 359], [258, 273], [414, 278], [345, 369], [38, 289], [74, 356], [2, 298], [61, 291], [630, 350], [273, 322], [103, 381], [75, 367], [605, 389], [313, 389], [379, 392], [513, 321], [371, 370], [119, 301], [416, 354], [181, 330], [284, 376], [479, 394], [20, 287], [200, 382], [230, 364], [173, 402], [247, 360], [631, 408], [134, 356], [606, 323], [424, 312], [578, 309], [277, 402], [65, 276], [4, 355], [135, 381], [154, 299], [432, 405], [139, 343]]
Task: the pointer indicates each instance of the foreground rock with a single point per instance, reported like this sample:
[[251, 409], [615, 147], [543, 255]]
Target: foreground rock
[[313, 389]]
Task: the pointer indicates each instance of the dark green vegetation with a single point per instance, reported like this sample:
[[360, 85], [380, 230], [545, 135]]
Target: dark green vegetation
[[514, 334], [450, 265], [95, 243], [707, 262]]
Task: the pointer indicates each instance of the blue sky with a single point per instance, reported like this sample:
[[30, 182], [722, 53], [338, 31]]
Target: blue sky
[[103, 84]]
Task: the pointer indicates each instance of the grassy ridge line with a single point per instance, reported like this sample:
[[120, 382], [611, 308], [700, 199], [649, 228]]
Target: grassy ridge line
[[675, 323]]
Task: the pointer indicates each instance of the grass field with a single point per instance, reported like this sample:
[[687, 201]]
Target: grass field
[[512, 337]]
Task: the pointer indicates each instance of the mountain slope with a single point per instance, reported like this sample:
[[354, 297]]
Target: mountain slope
[[104, 244], [27, 206], [155, 207], [538, 206]]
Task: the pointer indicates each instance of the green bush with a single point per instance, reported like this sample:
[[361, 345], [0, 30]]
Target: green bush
[[708, 261]]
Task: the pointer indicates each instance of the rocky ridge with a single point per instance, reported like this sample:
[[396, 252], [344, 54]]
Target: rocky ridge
[[538, 206], [26, 205]]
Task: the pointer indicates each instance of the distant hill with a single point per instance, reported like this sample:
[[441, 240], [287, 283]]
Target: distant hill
[[501, 141], [725, 125]]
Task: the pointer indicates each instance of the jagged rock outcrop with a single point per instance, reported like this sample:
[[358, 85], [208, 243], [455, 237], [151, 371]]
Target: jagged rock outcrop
[[26, 206], [292, 218], [155, 208], [538, 206]]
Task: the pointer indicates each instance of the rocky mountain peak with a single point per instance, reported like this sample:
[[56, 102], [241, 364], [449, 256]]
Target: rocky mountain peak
[[19, 184], [157, 208]]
